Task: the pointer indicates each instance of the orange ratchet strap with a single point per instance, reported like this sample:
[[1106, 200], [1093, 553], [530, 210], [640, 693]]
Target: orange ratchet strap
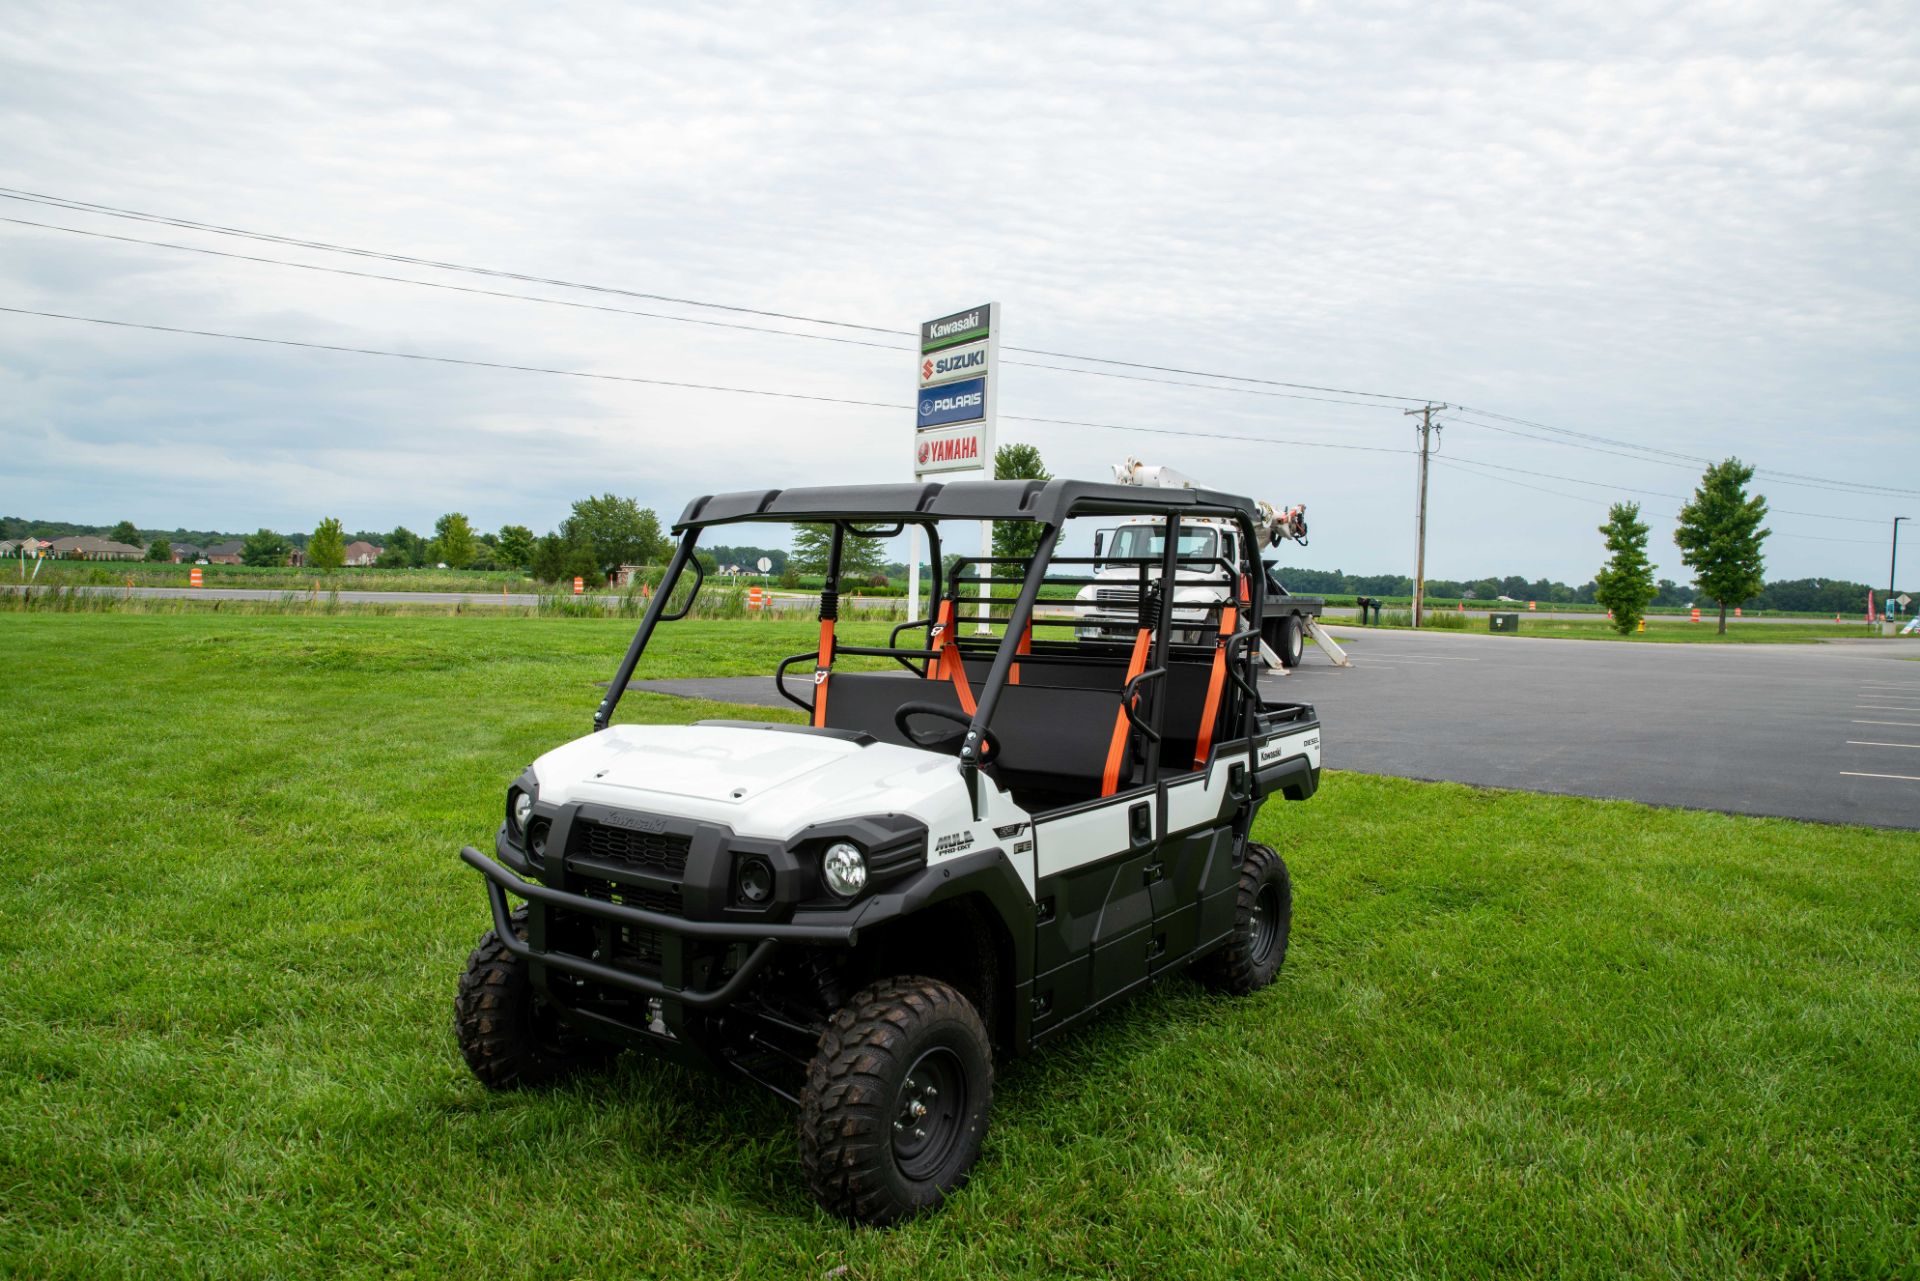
[[823, 668], [1117, 749], [947, 663], [1216, 681]]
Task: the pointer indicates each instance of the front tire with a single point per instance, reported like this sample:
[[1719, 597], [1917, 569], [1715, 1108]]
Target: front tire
[[1262, 922], [508, 1037], [895, 1105]]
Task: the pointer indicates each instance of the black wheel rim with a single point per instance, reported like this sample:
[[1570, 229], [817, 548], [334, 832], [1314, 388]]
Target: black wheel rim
[[1266, 923], [928, 1114]]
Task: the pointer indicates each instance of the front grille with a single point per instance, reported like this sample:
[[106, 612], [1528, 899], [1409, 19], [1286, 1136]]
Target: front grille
[[636, 948], [1116, 595], [652, 900], [652, 851]]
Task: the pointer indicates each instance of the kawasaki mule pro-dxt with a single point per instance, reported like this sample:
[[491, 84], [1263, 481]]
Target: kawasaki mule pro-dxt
[[951, 861]]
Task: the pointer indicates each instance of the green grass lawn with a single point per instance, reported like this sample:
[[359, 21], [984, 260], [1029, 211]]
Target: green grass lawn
[[359, 578], [1515, 1033]]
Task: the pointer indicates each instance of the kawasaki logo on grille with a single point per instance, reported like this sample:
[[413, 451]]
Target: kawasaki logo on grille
[[635, 822]]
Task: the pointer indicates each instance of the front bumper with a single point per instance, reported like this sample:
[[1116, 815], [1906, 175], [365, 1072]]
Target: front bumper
[[763, 937]]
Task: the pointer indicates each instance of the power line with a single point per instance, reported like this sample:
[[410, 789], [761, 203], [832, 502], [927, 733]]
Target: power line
[[1475, 467], [462, 289], [1205, 435], [1789, 476], [1568, 435], [1654, 493], [657, 382], [650, 315], [114, 211], [82, 206], [1833, 487], [451, 360]]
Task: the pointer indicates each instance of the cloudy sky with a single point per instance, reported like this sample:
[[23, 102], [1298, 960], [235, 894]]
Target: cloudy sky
[[1697, 234]]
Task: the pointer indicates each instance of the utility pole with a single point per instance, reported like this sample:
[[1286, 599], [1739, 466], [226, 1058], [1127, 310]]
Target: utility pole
[[1427, 429], [1893, 563]]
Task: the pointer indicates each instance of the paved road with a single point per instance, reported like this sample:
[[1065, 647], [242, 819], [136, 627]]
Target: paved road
[[1828, 732], [784, 602]]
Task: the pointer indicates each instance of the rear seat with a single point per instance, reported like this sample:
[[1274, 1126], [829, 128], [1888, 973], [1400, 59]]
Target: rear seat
[[1053, 729]]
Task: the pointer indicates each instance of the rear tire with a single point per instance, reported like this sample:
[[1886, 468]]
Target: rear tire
[[895, 1105], [1293, 641], [1262, 922], [508, 1037]]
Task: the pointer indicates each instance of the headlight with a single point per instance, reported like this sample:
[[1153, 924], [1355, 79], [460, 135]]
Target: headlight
[[522, 810], [845, 869]]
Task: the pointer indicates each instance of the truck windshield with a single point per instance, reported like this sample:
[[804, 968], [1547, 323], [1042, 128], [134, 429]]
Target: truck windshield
[[1151, 540]]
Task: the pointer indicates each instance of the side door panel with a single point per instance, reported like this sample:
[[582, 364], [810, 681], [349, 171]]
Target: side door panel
[[1197, 860], [1095, 903]]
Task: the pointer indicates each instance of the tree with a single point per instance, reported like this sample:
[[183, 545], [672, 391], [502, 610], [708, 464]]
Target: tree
[[400, 549], [453, 541], [1720, 536], [327, 549], [264, 547], [1625, 585], [549, 559], [1017, 462], [124, 532], [812, 544], [160, 550], [515, 546], [618, 530]]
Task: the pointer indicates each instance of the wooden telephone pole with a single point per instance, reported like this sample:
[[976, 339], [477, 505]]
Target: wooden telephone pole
[[1427, 429]]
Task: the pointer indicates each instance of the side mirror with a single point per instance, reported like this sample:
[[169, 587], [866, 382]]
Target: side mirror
[[1099, 541]]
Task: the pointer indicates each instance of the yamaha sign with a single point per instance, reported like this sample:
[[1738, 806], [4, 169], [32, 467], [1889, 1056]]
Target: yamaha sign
[[953, 422]]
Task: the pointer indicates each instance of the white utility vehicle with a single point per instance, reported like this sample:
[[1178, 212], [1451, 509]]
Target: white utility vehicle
[[1210, 550], [956, 858]]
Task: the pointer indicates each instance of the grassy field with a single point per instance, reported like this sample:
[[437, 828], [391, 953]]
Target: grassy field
[[63, 573], [1516, 1034]]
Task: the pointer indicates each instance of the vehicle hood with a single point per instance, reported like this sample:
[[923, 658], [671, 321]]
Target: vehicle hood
[[755, 780]]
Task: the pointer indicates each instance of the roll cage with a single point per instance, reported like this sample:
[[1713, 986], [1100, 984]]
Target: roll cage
[[1054, 749]]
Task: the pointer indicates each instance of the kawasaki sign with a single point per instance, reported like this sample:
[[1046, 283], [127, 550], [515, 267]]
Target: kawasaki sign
[[956, 372]]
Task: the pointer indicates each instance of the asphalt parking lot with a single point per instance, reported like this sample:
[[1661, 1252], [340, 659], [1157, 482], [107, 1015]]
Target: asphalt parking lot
[[1829, 732]]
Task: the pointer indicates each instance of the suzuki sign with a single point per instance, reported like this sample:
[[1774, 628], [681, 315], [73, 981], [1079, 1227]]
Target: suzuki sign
[[959, 362]]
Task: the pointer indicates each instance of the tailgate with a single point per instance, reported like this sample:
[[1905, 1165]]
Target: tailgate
[[1286, 751]]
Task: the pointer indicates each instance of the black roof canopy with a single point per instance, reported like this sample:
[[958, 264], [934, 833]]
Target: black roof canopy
[[1048, 502]]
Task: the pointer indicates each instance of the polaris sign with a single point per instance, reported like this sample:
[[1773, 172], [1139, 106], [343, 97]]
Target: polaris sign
[[954, 412], [949, 403]]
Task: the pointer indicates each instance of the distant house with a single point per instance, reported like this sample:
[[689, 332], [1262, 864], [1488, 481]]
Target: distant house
[[223, 553], [87, 547], [187, 553], [362, 552]]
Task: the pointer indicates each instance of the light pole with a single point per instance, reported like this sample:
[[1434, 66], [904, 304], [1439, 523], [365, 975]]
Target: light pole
[[1894, 563]]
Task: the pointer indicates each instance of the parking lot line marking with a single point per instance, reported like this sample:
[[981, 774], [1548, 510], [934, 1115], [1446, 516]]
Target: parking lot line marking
[[1884, 707], [1856, 742], [1908, 724], [1906, 778]]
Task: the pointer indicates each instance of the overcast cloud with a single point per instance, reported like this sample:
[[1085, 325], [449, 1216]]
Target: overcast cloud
[[1697, 231]]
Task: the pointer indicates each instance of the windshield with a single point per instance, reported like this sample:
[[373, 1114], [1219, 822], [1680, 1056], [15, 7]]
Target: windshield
[[1151, 540]]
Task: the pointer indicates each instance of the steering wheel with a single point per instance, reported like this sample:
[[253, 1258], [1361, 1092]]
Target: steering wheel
[[989, 745]]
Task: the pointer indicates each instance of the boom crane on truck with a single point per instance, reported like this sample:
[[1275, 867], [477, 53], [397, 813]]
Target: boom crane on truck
[[1290, 620]]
